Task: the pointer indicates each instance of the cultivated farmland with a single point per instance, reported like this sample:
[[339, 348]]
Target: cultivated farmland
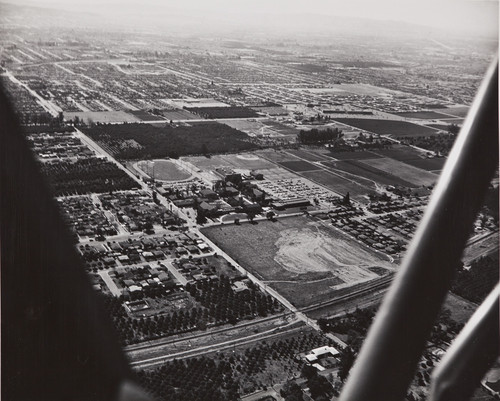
[[388, 127]]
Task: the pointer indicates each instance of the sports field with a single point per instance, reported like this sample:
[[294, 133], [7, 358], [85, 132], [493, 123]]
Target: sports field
[[163, 170], [244, 161], [298, 251]]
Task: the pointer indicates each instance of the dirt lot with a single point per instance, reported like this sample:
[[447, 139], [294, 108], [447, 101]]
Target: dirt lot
[[297, 251]]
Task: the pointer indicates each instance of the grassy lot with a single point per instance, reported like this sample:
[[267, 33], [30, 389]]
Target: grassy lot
[[299, 165], [388, 127], [296, 253], [406, 172], [164, 170]]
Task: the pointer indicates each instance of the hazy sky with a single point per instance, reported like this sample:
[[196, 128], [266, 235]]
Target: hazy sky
[[458, 15]]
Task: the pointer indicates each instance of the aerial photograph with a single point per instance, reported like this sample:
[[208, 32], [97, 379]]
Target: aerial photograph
[[210, 200]]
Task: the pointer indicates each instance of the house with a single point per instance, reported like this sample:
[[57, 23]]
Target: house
[[317, 353], [209, 194], [239, 286]]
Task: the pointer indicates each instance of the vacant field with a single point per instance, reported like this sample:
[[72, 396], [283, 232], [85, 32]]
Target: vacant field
[[338, 184], [423, 115], [406, 172], [371, 173], [299, 165], [163, 170], [296, 251], [102, 116], [388, 127]]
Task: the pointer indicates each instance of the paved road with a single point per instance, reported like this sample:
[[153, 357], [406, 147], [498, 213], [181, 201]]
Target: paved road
[[110, 283], [180, 278]]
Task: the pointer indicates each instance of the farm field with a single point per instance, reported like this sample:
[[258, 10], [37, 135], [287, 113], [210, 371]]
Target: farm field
[[406, 172], [353, 155], [368, 172], [163, 170], [281, 128], [276, 156], [460, 111], [144, 115], [412, 157], [424, 115], [299, 165], [388, 127], [178, 115], [298, 251], [309, 155]]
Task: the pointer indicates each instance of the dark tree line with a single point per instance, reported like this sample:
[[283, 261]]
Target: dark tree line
[[316, 136]]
